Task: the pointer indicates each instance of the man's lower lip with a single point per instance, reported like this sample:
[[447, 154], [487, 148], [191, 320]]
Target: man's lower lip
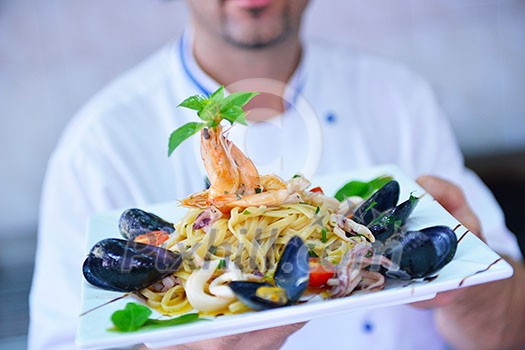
[[251, 3]]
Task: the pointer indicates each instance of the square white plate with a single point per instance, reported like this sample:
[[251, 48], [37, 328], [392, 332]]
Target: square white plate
[[474, 263]]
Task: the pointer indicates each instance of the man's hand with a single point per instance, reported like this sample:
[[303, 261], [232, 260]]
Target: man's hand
[[489, 316], [271, 338], [453, 200], [451, 197]]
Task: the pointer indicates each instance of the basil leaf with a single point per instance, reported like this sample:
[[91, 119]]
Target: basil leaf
[[131, 318], [211, 113], [135, 317], [233, 114], [352, 188], [240, 98], [212, 110], [196, 102], [182, 133], [218, 95], [379, 182], [188, 318], [361, 189], [242, 119]]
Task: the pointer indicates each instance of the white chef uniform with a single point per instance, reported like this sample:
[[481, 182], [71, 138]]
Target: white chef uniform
[[114, 155]]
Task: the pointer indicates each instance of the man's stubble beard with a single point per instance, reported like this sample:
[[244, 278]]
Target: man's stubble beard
[[257, 42]]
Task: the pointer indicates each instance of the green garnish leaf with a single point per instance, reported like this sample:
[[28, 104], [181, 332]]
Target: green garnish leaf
[[234, 114], [246, 212], [240, 98], [211, 110], [258, 190], [210, 113], [131, 318], [188, 318], [361, 188], [182, 133], [135, 317], [324, 231], [317, 210], [218, 95], [196, 102], [222, 264], [372, 205], [380, 181], [398, 224]]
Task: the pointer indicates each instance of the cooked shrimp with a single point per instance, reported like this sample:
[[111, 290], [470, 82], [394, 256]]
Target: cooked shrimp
[[234, 179], [269, 198], [249, 179], [222, 171]]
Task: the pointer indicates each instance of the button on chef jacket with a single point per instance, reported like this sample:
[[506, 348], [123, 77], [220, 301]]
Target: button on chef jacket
[[346, 110]]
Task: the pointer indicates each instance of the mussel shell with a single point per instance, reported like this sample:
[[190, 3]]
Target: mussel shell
[[291, 275], [293, 271], [382, 200], [246, 291], [135, 222], [421, 253], [385, 226], [126, 266]]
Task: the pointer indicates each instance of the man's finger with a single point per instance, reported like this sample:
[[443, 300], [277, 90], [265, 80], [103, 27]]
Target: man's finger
[[451, 197], [441, 299]]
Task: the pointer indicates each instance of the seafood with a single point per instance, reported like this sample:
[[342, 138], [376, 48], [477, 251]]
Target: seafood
[[135, 222], [353, 272], [234, 179], [389, 222], [382, 200], [126, 266], [291, 280], [345, 227], [207, 218], [153, 238], [247, 241], [216, 299], [228, 169], [421, 253]]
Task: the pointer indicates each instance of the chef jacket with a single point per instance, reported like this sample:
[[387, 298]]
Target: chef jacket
[[345, 110]]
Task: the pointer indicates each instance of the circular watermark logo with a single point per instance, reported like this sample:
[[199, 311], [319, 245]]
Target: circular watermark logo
[[293, 136]]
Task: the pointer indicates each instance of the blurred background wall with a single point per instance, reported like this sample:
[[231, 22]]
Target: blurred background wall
[[55, 54]]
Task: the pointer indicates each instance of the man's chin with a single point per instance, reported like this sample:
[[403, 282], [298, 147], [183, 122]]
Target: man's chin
[[256, 43]]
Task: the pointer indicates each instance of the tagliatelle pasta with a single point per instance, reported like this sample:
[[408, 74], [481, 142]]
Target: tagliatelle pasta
[[250, 240]]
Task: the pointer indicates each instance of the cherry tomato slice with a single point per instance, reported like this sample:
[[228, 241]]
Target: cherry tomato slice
[[320, 272], [317, 189]]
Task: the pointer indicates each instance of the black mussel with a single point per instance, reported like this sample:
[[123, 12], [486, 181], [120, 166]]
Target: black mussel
[[126, 266], [259, 296], [135, 222], [391, 221], [382, 200], [293, 271], [291, 280], [421, 253]]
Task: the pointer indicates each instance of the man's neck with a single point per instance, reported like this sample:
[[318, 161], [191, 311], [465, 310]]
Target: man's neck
[[229, 65]]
